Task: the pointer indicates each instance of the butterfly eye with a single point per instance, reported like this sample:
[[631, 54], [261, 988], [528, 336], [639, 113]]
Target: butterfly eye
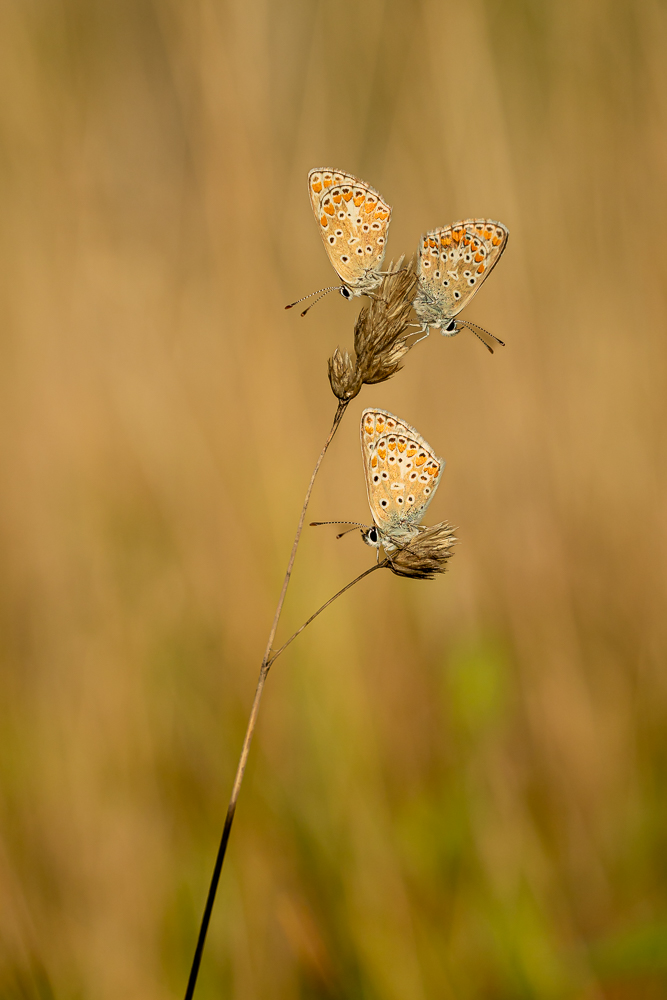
[[373, 535], [345, 292]]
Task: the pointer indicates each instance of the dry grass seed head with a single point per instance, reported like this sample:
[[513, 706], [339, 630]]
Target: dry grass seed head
[[379, 336], [426, 555]]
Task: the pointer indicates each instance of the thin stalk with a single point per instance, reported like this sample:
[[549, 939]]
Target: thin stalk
[[252, 721], [325, 606]]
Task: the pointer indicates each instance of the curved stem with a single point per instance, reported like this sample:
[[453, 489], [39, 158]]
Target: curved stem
[[325, 606], [252, 721], [342, 406]]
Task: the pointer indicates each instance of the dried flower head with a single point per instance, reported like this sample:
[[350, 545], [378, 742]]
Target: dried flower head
[[425, 555], [379, 336], [344, 377]]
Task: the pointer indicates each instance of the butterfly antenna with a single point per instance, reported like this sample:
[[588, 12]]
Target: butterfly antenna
[[348, 530], [355, 524], [478, 331], [318, 524], [324, 291]]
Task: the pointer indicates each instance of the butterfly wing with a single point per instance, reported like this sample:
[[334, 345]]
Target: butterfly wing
[[453, 263], [402, 472], [353, 221]]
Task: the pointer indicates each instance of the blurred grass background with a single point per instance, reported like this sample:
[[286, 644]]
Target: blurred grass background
[[457, 789]]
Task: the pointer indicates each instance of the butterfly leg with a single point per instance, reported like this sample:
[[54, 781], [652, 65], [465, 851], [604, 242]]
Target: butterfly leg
[[423, 328]]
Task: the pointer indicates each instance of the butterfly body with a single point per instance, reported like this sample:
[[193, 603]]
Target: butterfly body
[[353, 220], [402, 474], [453, 263]]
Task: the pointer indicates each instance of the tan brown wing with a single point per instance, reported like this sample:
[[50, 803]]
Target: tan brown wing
[[353, 221], [402, 471], [453, 263]]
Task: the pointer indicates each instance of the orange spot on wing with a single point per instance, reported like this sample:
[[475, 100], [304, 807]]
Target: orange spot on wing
[[432, 469], [358, 200], [382, 452], [411, 451], [401, 446], [479, 257], [347, 196], [329, 209], [392, 446], [324, 221], [328, 181], [432, 243], [336, 198], [496, 241], [420, 459], [374, 462], [481, 268], [368, 207], [317, 186]]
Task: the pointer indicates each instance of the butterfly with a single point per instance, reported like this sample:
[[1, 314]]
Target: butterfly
[[402, 474], [453, 263], [353, 220]]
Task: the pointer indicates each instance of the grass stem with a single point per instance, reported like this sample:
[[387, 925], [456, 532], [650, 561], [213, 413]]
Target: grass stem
[[267, 660]]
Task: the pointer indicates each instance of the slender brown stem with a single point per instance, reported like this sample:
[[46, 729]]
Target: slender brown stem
[[252, 721], [325, 606], [342, 406]]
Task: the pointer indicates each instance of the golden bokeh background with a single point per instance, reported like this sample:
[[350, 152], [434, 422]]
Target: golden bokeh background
[[457, 789]]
